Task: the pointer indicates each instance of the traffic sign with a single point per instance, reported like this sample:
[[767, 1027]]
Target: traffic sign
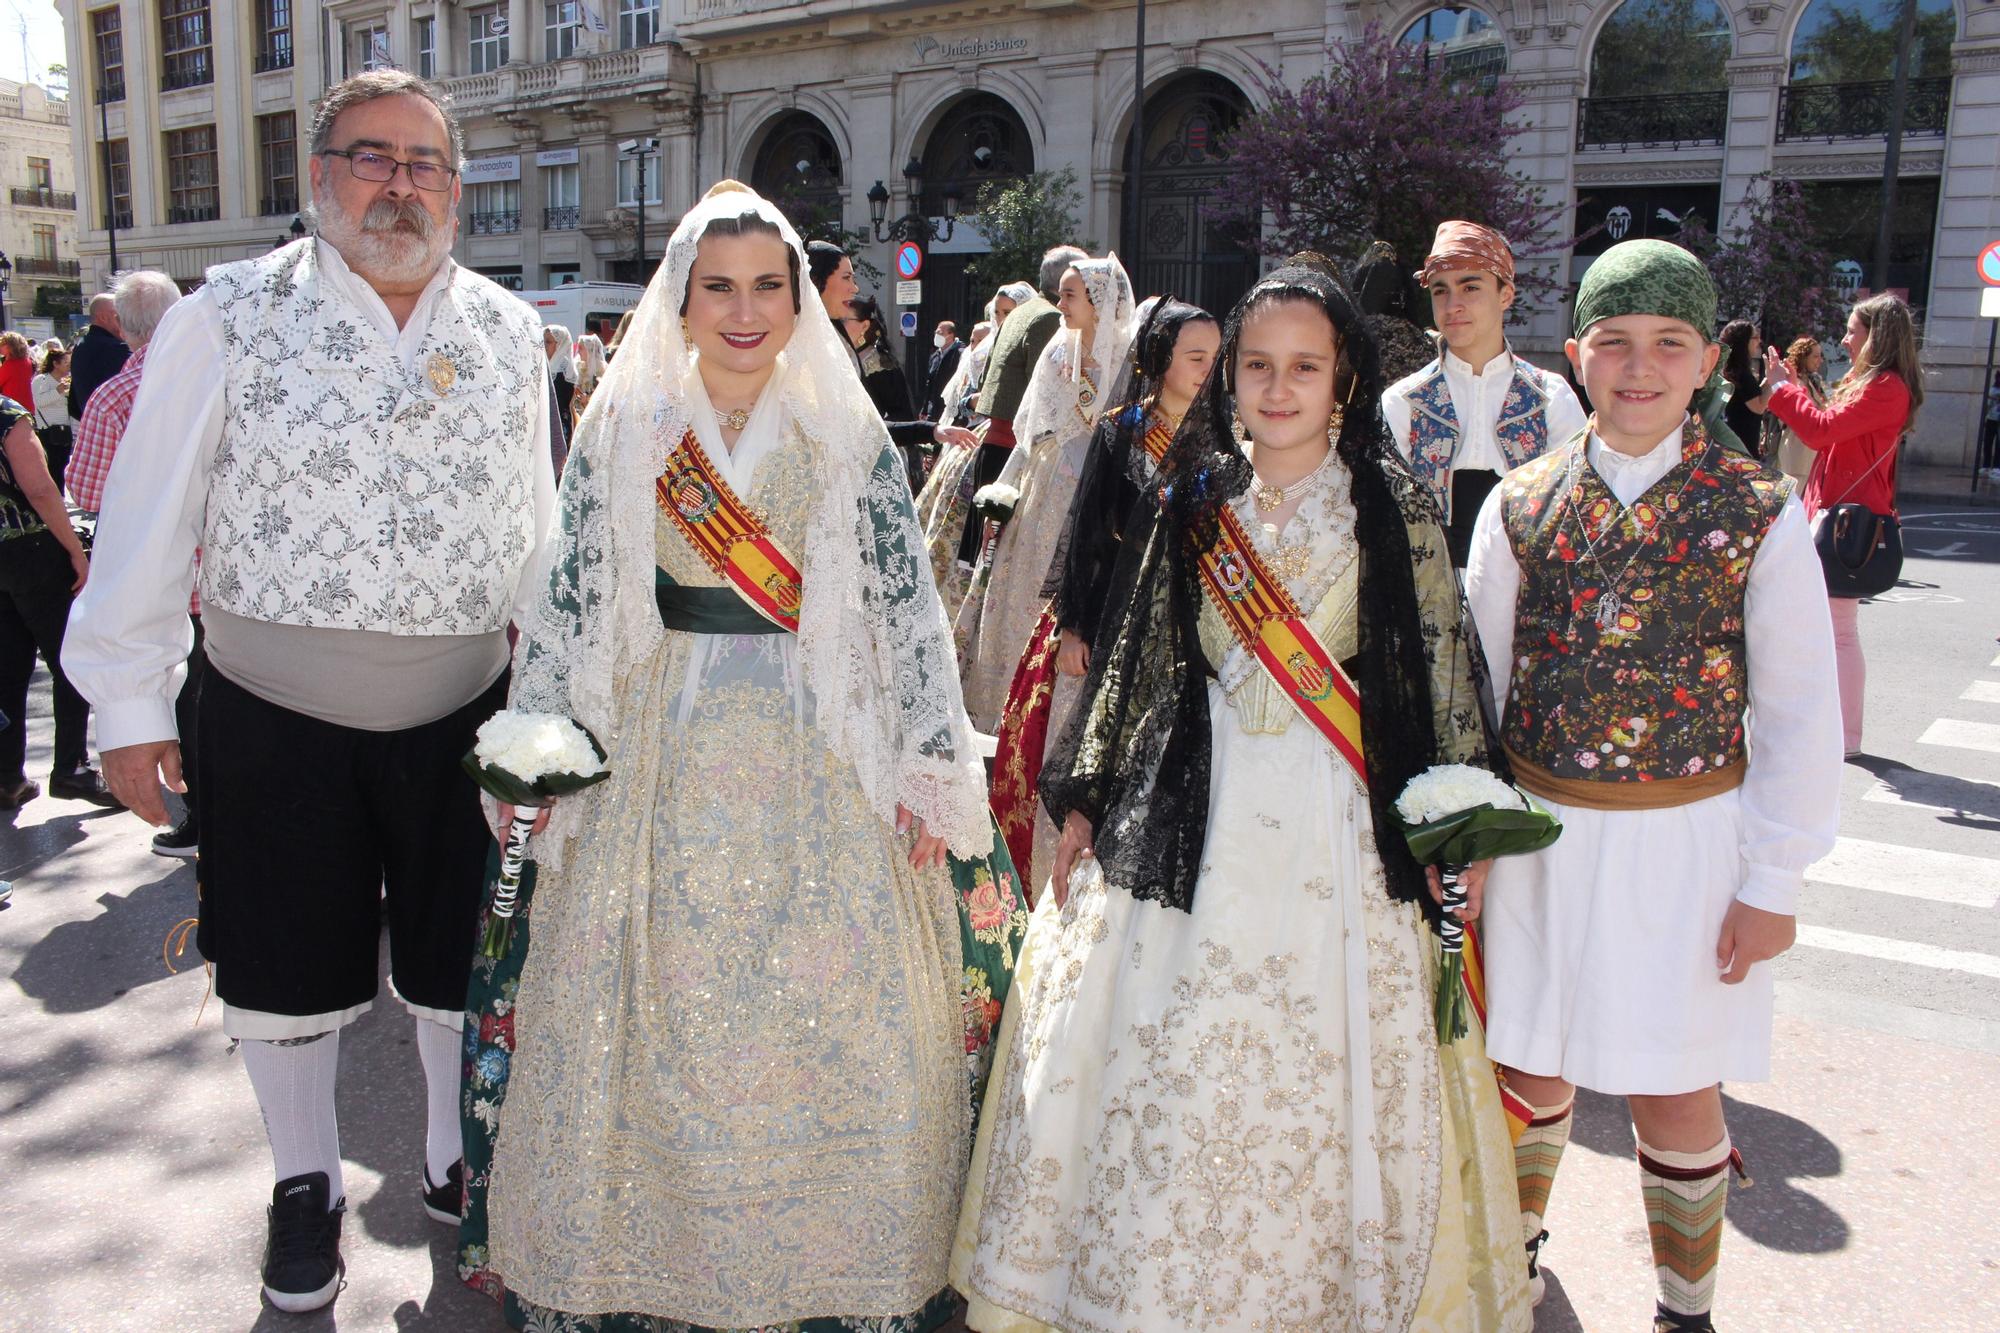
[[909, 323], [1989, 303], [910, 260], [909, 293], [1989, 265]]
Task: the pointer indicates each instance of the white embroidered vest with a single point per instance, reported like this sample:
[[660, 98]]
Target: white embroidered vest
[[348, 493]]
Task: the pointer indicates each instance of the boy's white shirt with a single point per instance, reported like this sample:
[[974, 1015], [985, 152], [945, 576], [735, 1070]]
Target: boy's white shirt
[[1790, 798]]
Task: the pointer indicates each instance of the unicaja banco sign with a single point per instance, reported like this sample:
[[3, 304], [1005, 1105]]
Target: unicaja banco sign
[[968, 48]]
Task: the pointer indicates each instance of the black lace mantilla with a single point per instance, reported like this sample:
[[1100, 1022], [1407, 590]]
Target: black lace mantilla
[[1135, 757]]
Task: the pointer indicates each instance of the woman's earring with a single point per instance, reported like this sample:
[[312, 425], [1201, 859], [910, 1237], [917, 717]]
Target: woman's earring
[[687, 336]]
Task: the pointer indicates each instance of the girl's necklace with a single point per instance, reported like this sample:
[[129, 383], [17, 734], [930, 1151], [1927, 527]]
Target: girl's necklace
[[736, 420], [1268, 497]]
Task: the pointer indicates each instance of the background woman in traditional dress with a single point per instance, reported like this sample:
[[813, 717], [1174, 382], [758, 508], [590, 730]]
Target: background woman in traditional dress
[[1052, 433], [944, 506], [739, 1045], [1170, 359], [1221, 1102]]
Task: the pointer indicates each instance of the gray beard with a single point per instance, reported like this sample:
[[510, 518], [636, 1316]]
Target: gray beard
[[396, 257]]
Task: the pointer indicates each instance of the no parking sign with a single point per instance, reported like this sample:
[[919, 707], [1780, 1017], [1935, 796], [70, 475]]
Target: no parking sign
[[1989, 265], [910, 260]]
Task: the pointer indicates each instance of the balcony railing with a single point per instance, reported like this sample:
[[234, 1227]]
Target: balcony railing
[[561, 219], [121, 220], [278, 55], [187, 71], [495, 224], [31, 266], [271, 205], [1832, 111], [113, 91], [1662, 120], [34, 196], [193, 213]]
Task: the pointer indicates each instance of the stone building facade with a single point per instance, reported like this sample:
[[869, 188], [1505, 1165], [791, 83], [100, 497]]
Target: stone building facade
[[38, 223], [820, 102]]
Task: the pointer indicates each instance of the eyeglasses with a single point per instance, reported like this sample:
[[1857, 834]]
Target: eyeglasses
[[379, 167]]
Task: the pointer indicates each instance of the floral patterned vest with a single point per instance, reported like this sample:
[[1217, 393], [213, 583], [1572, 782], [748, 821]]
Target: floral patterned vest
[[349, 493], [1522, 432], [1644, 678]]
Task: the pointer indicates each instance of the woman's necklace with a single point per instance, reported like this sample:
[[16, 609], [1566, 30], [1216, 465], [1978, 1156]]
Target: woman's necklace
[[1268, 497], [736, 420]]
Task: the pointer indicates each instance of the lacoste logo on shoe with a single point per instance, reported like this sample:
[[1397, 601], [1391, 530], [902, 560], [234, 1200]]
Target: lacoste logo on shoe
[[296, 1189]]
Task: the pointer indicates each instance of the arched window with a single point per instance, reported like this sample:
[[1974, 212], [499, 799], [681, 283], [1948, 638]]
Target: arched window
[[1855, 42], [978, 139], [798, 168], [1466, 42], [1651, 47]]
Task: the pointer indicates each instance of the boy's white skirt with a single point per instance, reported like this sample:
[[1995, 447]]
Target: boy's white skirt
[[1600, 953]]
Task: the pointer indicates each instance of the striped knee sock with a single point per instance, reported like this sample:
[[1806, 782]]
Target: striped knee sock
[[1536, 1157], [1685, 1197]]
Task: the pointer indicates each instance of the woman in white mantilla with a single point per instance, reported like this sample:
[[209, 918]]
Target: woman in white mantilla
[[768, 952], [1220, 1101], [1053, 433]]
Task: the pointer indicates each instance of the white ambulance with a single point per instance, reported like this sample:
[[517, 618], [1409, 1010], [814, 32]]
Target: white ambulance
[[585, 307]]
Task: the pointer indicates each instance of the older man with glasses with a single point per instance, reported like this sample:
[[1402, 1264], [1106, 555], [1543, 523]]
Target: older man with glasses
[[354, 430]]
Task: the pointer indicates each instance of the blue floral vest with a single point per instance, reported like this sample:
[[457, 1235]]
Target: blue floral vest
[[1523, 430]]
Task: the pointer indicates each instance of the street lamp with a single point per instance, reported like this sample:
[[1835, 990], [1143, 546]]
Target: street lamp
[[640, 149], [913, 225], [6, 271]]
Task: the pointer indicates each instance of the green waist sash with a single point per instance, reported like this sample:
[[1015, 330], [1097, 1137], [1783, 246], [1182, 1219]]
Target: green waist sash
[[707, 610]]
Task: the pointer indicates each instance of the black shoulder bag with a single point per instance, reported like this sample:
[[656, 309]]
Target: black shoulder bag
[[1860, 551]]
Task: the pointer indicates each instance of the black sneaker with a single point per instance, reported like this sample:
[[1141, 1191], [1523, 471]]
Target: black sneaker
[[445, 1202], [84, 785], [302, 1265], [181, 840]]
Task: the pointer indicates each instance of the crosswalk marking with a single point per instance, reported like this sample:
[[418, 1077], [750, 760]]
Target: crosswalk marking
[[1910, 872], [1900, 951], [1963, 735], [1921, 790], [1983, 692]]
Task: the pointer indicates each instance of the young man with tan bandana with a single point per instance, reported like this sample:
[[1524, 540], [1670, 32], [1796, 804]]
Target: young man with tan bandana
[[1478, 411]]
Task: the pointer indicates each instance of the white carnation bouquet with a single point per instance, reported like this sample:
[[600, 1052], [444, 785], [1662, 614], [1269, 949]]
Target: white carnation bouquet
[[995, 501], [1452, 815], [526, 760]]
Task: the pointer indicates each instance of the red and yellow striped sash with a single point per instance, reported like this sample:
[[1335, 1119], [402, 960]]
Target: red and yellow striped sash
[[728, 535], [1156, 440], [1261, 614]]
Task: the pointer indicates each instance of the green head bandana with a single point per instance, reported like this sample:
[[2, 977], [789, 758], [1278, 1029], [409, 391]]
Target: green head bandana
[[1659, 278]]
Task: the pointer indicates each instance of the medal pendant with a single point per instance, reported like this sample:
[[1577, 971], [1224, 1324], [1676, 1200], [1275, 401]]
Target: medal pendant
[[439, 370], [1608, 607]]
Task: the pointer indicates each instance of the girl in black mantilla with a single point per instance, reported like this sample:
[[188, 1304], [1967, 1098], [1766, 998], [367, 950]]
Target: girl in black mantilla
[[1171, 356], [1222, 1100]]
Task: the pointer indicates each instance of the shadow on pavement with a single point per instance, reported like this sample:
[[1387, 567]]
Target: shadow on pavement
[[37, 844], [1555, 1314], [83, 965], [1971, 804], [1779, 1150]]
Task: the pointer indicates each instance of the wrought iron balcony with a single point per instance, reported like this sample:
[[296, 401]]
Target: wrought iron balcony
[[30, 266], [494, 224], [273, 204], [278, 55], [192, 213], [112, 92], [122, 220], [561, 219], [1832, 111], [34, 196], [1662, 120], [187, 71]]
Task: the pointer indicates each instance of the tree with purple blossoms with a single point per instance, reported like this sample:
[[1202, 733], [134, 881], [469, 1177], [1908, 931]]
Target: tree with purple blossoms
[[1383, 144], [1772, 267]]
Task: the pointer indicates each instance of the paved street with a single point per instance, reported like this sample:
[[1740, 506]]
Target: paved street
[[133, 1171]]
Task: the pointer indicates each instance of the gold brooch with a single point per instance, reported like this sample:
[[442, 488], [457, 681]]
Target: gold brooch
[[441, 372]]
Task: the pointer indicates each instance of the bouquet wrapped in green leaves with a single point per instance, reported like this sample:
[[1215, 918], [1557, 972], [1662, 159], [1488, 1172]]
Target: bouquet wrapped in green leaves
[[1452, 815], [526, 760]]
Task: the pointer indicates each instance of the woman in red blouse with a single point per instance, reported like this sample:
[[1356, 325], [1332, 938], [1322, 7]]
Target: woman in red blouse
[[17, 370], [1853, 439]]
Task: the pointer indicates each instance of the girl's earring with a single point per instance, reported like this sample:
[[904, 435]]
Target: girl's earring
[[687, 336]]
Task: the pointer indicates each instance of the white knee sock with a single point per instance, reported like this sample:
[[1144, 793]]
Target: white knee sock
[[439, 1048], [294, 1087]]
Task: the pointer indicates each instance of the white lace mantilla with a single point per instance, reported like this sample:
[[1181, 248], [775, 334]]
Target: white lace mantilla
[[873, 644]]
